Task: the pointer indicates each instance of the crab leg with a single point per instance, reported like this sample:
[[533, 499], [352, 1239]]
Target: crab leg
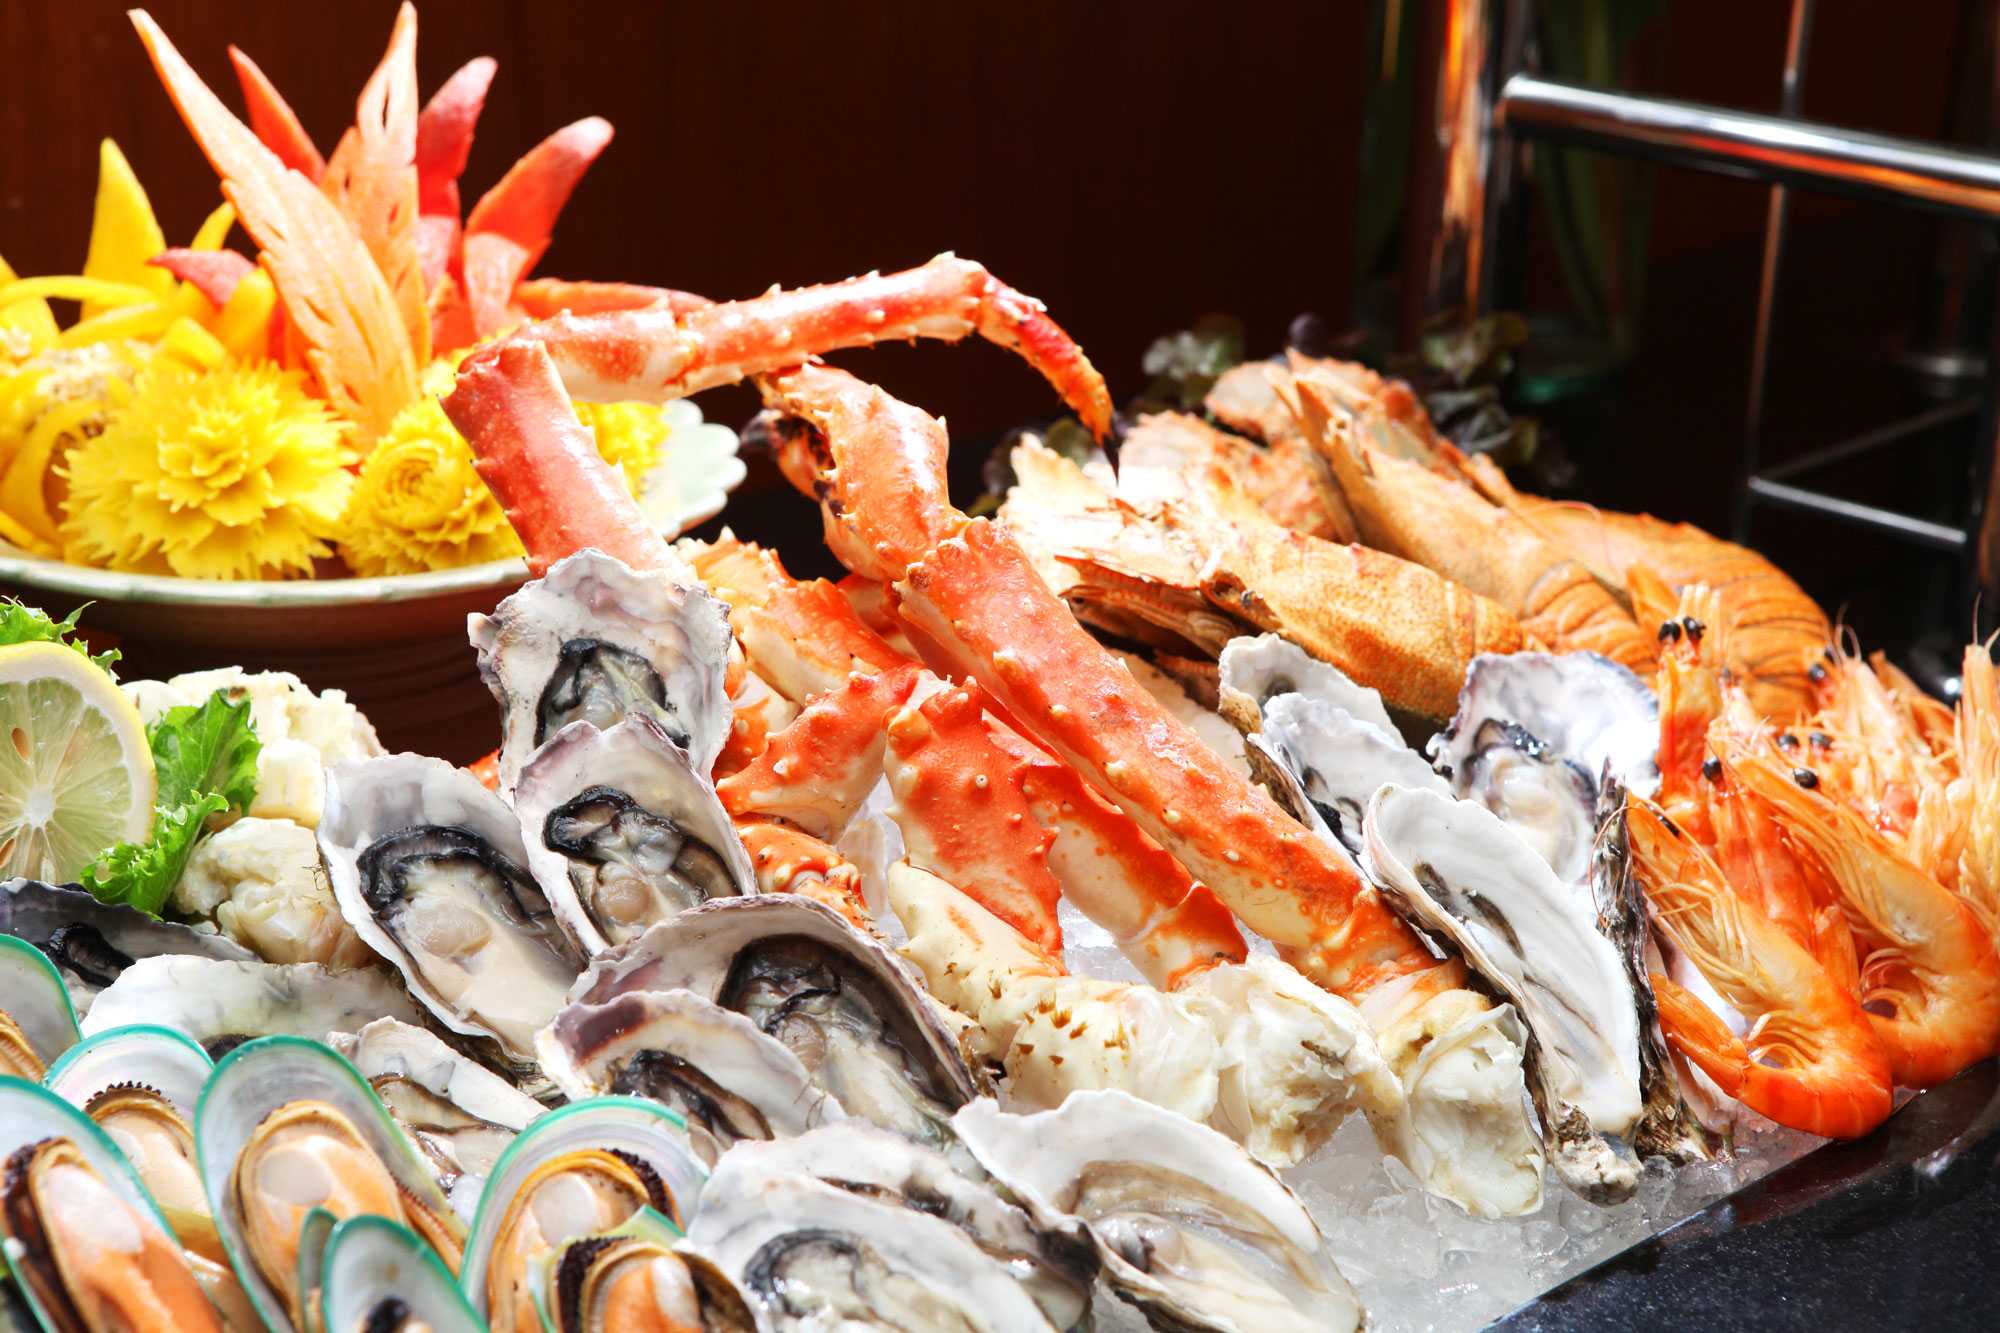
[[659, 354]]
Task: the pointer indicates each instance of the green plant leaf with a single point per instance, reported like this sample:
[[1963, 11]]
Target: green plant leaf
[[21, 623], [143, 874], [203, 748]]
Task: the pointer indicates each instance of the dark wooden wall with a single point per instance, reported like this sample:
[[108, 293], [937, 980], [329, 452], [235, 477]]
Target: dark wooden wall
[[1134, 164]]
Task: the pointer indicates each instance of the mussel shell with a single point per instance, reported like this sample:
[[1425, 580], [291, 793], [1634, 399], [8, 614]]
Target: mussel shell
[[636, 780], [263, 1076], [595, 639], [37, 1021], [170, 1062], [30, 1114], [377, 1276], [627, 1126]]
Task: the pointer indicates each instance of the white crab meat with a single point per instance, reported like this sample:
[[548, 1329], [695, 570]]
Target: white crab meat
[[299, 731], [261, 882]]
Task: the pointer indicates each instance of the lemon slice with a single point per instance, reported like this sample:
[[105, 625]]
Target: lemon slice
[[76, 775]]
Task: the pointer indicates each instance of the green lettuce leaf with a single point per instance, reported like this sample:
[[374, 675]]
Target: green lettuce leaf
[[205, 760], [143, 874], [21, 623]]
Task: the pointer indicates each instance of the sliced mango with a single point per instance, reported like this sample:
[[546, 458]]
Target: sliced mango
[[214, 229], [244, 325], [193, 344], [30, 314], [124, 234]]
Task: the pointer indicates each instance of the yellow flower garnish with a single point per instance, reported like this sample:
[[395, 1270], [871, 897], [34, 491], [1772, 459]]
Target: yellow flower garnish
[[229, 473], [419, 504], [629, 436]]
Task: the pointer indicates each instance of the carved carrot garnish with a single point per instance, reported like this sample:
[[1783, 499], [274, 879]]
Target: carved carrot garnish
[[372, 177], [444, 142], [273, 121], [336, 300], [510, 226]]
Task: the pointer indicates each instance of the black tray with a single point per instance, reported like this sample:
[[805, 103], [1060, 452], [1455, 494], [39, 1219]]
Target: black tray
[[1898, 1230]]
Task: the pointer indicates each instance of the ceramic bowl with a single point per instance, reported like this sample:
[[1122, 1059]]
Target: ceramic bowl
[[396, 645]]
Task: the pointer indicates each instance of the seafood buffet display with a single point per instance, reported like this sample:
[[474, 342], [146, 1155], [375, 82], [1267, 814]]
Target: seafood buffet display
[[1405, 926]]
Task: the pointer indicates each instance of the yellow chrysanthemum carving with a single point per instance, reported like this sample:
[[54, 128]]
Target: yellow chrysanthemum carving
[[630, 436], [419, 504], [230, 473]]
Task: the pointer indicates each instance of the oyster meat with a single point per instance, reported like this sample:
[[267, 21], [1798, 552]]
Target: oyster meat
[[221, 1004], [1189, 1228], [809, 1256], [623, 833], [856, 1016], [718, 1069], [429, 870], [1056, 1265], [261, 882], [460, 1114], [594, 640], [1535, 736], [1459, 873]]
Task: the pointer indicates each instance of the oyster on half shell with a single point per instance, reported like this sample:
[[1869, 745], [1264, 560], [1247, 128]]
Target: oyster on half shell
[[429, 870], [1190, 1229], [623, 833], [856, 1016], [1459, 873], [1536, 735], [722, 1073], [595, 640], [223, 1004]]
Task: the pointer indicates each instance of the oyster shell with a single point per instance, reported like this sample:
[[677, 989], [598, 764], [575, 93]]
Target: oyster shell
[[86, 1245], [807, 1255], [575, 1172], [1458, 872], [223, 1004], [855, 1014], [379, 1277], [622, 832], [1338, 760], [460, 1115], [37, 1023], [716, 1068], [1190, 1229], [1057, 1265], [92, 942], [287, 1128], [1534, 737], [596, 640], [1253, 670], [429, 870]]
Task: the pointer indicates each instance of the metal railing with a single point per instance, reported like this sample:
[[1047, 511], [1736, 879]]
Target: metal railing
[[1489, 103]]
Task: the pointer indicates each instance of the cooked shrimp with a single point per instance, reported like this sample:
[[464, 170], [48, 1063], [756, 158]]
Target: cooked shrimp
[[1978, 744], [1810, 1060], [1929, 979]]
